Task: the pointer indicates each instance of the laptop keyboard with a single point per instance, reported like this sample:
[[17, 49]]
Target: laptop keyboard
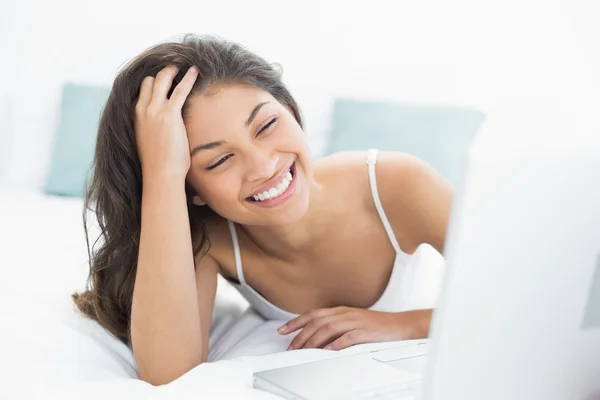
[[402, 391]]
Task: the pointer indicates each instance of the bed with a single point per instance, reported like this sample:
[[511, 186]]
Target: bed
[[48, 349]]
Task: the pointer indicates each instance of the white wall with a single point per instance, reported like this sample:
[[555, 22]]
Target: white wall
[[490, 55]]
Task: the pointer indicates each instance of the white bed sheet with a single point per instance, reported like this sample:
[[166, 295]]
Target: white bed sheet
[[48, 349]]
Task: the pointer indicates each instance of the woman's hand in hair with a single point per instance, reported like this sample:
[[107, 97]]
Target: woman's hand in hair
[[161, 137]]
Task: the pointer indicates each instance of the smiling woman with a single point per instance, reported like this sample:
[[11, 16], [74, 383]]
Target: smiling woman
[[236, 128], [201, 159]]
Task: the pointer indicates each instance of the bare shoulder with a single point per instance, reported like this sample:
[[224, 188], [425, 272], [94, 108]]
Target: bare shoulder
[[339, 164], [358, 159], [393, 169], [346, 173], [403, 178], [415, 197]]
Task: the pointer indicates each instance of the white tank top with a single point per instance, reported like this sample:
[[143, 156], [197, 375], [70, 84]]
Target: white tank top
[[394, 297]]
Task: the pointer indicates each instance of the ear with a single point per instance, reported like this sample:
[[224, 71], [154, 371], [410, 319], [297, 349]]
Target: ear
[[197, 201]]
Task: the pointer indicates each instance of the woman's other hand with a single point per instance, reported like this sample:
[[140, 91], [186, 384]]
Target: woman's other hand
[[341, 327]]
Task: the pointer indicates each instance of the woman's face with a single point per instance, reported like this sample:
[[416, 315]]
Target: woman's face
[[250, 161]]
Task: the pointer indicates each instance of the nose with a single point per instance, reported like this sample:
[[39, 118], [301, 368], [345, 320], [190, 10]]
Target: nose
[[261, 166]]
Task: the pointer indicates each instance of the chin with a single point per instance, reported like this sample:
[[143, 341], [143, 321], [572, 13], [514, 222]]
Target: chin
[[296, 212]]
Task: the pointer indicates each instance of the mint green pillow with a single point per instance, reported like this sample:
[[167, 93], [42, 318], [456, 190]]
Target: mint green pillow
[[74, 144], [438, 135]]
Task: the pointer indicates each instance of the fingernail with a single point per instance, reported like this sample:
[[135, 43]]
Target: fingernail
[[289, 348], [194, 69], [281, 329], [328, 347]]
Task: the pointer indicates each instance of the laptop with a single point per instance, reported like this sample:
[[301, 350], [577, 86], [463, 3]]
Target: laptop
[[519, 313]]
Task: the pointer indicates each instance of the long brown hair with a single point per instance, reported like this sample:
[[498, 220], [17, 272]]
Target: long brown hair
[[114, 192]]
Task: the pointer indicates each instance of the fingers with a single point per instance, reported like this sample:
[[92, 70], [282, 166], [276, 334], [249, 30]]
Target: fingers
[[301, 321], [162, 84], [155, 90], [309, 331], [329, 332], [145, 93], [184, 88], [349, 339]]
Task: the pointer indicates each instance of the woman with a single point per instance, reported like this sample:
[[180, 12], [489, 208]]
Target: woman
[[202, 168]]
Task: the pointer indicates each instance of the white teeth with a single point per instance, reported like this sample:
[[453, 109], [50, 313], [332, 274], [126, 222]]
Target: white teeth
[[276, 191]]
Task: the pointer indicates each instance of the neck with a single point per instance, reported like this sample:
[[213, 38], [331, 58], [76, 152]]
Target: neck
[[289, 241]]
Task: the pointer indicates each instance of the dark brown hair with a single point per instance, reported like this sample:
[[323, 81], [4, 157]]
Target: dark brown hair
[[114, 192]]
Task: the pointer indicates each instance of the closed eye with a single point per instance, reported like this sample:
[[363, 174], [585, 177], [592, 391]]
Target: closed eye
[[221, 161], [225, 158], [267, 126]]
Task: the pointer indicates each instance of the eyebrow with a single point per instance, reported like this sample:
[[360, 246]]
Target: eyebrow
[[207, 146], [254, 112], [213, 145]]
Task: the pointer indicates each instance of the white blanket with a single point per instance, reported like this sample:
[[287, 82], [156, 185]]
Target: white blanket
[[76, 359], [49, 350]]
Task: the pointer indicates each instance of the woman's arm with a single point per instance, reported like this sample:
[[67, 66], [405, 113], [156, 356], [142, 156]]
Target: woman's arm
[[172, 304]]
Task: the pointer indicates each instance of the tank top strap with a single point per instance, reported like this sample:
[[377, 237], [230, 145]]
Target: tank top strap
[[236, 253], [371, 161]]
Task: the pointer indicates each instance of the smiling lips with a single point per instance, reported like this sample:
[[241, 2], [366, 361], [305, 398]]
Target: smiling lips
[[276, 190]]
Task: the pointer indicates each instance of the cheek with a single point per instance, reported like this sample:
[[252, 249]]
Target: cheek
[[298, 143], [295, 138], [221, 190]]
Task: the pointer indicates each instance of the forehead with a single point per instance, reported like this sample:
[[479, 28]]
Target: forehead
[[224, 104], [222, 111]]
